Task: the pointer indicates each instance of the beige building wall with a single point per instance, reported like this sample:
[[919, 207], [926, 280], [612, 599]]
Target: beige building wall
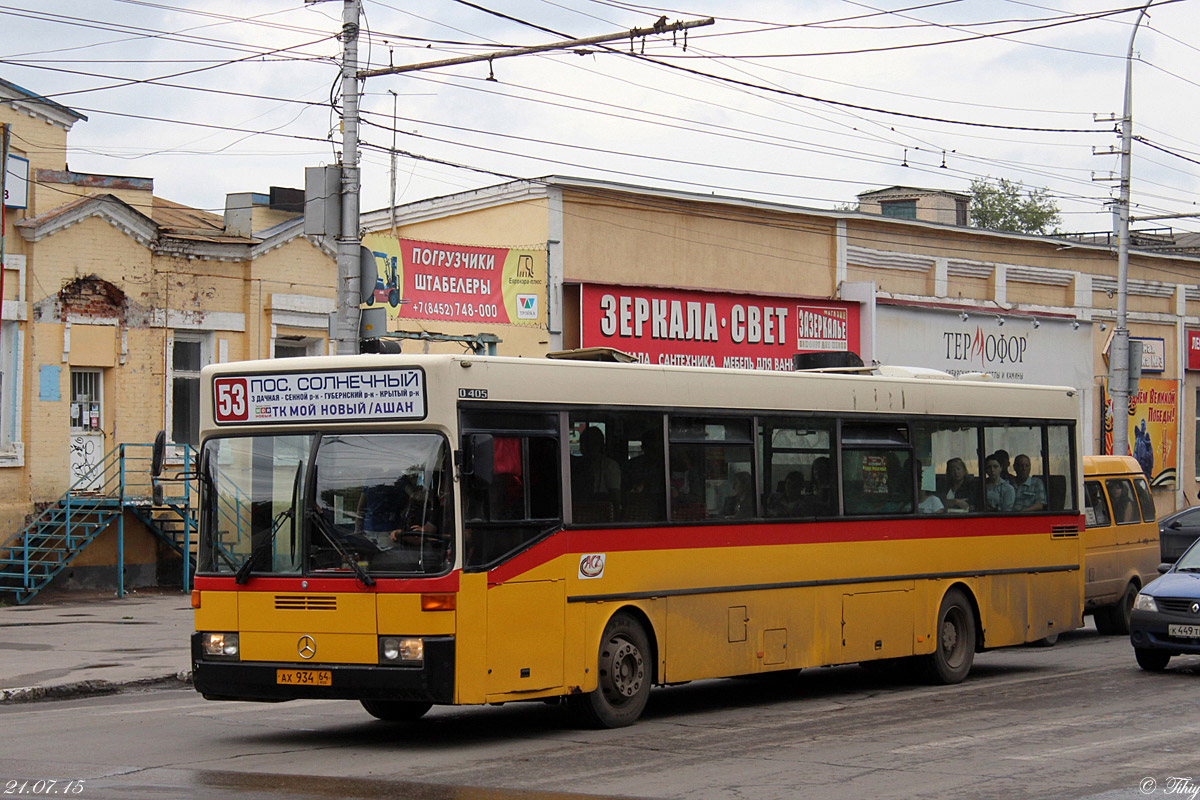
[[606, 233], [522, 224]]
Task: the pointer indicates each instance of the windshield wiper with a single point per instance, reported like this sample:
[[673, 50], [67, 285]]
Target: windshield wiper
[[1187, 569], [243, 573], [332, 537]]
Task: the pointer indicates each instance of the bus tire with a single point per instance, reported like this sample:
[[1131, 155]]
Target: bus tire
[[624, 674], [396, 710], [1151, 660], [1114, 619], [955, 631]]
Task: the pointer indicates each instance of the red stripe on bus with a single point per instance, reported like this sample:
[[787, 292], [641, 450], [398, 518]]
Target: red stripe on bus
[[774, 533], [442, 583]]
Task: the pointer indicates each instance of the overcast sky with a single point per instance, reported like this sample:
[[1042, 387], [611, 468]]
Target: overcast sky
[[807, 102]]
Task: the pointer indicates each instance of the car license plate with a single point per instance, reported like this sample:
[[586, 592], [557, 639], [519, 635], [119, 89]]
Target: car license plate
[[304, 677], [1184, 631]]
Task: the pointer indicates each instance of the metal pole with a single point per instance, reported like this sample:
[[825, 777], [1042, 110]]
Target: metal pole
[[392, 196], [4, 129], [1118, 355], [348, 291]]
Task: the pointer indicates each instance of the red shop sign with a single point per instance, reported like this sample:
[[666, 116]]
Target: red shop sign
[[715, 329]]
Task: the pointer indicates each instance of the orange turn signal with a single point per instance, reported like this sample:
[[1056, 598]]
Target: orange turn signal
[[195, 598], [437, 602]]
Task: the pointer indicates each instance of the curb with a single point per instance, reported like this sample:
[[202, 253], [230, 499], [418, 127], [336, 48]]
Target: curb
[[95, 688]]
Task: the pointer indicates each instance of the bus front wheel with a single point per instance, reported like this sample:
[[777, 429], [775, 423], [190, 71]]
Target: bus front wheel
[[396, 710], [955, 632], [624, 673]]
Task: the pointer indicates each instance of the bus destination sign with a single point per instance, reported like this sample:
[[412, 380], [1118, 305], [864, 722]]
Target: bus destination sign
[[341, 395]]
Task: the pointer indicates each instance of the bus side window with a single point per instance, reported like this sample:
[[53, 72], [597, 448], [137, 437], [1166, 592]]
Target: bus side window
[[1096, 511], [1146, 499], [510, 494]]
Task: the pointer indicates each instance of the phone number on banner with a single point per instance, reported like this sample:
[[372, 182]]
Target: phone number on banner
[[469, 310]]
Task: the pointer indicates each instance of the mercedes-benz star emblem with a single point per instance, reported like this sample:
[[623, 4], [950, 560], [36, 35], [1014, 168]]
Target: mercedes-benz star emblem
[[307, 647]]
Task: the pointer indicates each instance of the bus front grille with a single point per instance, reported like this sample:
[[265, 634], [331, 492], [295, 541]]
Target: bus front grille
[[300, 602]]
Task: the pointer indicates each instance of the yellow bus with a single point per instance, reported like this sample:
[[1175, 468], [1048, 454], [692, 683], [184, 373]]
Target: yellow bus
[[410, 530]]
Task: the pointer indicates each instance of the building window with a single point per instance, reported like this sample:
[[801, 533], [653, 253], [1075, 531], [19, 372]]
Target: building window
[[960, 211], [296, 346], [86, 392], [900, 209], [188, 355]]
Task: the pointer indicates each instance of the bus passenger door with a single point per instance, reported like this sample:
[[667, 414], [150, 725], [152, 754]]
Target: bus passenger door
[[511, 506]]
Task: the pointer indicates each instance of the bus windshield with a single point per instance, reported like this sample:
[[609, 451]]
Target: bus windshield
[[335, 504]]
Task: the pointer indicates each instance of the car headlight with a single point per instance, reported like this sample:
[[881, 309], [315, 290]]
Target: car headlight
[[401, 650], [220, 645], [1145, 602]]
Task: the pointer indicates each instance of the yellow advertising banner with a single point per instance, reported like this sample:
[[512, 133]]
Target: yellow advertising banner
[[1153, 427], [457, 283]]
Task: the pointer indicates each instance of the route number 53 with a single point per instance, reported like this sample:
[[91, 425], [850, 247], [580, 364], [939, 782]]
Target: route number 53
[[231, 399]]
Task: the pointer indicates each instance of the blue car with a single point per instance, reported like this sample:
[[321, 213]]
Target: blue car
[[1166, 614]]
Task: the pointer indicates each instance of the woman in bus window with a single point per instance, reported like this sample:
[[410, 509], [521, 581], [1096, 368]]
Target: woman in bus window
[[959, 494], [1000, 492], [1125, 508]]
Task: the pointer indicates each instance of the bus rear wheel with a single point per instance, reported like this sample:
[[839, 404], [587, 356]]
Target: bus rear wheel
[[955, 632], [396, 710], [624, 673]]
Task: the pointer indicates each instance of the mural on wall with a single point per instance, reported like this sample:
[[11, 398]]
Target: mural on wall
[[714, 329], [1153, 425], [457, 283]]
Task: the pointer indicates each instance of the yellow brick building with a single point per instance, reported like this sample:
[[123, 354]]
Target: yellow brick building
[[114, 299]]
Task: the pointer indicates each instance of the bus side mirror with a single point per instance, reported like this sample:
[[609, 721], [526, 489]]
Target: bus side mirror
[[157, 454], [478, 456]]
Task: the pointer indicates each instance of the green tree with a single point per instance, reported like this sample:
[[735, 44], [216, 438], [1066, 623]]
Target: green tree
[[1001, 206]]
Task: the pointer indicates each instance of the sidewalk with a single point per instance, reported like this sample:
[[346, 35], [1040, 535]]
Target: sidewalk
[[73, 644]]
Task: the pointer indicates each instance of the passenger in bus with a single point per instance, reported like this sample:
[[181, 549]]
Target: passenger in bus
[[1124, 507], [740, 502], [380, 508], [928, 502], [959, 494], [1030, 491], [1005, 462], [645, 471], [999, 492], [791, 501], [595, 478], [824, 493]]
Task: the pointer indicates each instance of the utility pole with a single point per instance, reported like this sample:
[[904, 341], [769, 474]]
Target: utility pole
[[349, 294], [1118, 355]]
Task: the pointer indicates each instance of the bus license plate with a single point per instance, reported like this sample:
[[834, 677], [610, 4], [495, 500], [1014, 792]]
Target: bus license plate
[[1184, 631], [304, 677]]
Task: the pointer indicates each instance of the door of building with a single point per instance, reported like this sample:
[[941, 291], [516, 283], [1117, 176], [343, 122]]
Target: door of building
[[87, 438]]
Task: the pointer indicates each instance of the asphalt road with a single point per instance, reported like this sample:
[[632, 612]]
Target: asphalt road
[[1078, 720]]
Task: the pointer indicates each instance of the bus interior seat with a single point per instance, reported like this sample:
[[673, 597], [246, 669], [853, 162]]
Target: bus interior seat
[[1056, 495], [589, 511], [689, 511], [644, 507]]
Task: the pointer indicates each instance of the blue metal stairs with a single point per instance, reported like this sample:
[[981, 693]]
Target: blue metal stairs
[[98, 499]]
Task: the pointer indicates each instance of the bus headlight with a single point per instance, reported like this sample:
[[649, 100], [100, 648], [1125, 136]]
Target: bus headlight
[[221, 645], [1145, 602], [401, 649]]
